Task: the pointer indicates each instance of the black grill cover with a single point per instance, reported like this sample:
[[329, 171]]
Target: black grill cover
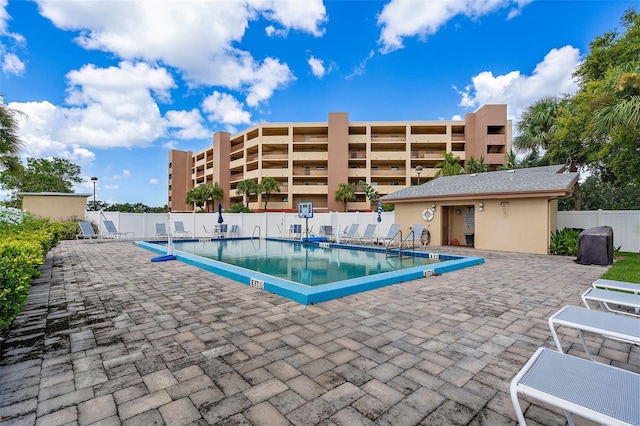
[[595, 246]]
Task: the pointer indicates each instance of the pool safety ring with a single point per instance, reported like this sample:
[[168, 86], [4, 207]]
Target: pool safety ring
[[427, 214]]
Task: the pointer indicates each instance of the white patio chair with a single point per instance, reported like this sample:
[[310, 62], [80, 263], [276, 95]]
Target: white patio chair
[[233, 231], [161, 231], [625, 303], [598, 392], [369, 235], [179, 231], [87, 232], [112, 231], [393, 235], [352, 235]]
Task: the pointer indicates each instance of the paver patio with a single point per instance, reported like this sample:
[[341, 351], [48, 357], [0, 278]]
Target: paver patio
[[110, 338]]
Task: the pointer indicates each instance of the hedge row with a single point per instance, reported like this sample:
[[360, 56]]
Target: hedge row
[[23, 248]]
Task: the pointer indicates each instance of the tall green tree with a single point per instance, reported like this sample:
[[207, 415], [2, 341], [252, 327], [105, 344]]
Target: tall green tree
[[247, 188], [369, 191], [346, 192], [510, 162], [450, 166], [537, 127], [266, 187], [42, 175], [10, 142], [201, 194]]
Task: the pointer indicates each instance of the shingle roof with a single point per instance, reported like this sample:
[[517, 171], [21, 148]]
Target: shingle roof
[[533, 179]]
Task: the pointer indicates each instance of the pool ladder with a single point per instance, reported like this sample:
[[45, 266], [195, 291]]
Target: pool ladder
[[257, 228], [390, 252]]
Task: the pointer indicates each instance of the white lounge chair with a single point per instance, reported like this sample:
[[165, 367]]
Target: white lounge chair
[[369, 235], [598, 392], [626, 303], [112, 231], [416, 234], [618, 285], [393, 235], [161, 231], [352, 235], [233, 231], [617, 327], [326, 231], [179, 231], [87, 232]]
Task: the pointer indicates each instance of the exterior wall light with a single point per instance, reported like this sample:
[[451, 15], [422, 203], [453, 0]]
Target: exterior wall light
[[481, 207], [433, 206]]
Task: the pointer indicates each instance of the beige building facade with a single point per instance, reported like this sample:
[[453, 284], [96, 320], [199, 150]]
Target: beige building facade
[[57, 206], [310, 160], [509, 210]]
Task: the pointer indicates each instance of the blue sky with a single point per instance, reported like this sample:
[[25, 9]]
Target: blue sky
[[114, 85]]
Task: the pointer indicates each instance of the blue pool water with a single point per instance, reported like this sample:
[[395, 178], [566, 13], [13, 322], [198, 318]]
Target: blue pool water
[[303, 264], [312, 272]]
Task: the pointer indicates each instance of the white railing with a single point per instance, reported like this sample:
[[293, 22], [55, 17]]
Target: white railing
[[272, 224], [625, 225]]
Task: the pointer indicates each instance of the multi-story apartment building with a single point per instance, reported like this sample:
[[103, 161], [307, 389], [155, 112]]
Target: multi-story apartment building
[[310, 160]]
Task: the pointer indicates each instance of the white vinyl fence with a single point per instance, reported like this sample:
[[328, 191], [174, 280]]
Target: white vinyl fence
[[270, 224], [625, 225]]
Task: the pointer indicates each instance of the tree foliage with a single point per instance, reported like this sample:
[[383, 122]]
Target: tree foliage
[[10, 142], [42, 175], [346, 192], [450, 166], [247, 188], [596, 193], [597, 130], [266, 187], [201, 194], [476, 166], [369, 191]]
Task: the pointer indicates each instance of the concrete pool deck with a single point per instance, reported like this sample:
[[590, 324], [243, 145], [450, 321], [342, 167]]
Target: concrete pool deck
[[110, 338]]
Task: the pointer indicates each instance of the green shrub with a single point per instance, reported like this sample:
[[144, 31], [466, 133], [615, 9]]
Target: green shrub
[[238, 208], [20, 262], [23, 247], [564, 242]]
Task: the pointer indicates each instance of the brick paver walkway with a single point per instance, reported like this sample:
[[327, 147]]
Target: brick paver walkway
[[110, 338]]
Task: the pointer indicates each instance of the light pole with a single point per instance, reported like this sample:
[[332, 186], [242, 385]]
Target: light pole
[[418, 171], [94, 180]]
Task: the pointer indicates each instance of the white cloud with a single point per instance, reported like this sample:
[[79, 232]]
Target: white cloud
[[154, 181], [409, 18], [11, 64], [362, 66], [304, 16], [551, 77], [206, 54], [124, 174], [317, 67], [225, 108], [112, 187], [110, 107], [189, 124], [170, 145]]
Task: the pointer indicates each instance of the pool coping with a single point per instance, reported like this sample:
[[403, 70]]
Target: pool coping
[[308, 295]]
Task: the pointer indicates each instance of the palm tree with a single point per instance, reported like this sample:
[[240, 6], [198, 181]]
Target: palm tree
[[510, 162], [10, 142], [450, 166], [266, 187], [197, 196], [620, 93], [346, 192], [215, 193], [537, 126], [246, 188], [477, 166]]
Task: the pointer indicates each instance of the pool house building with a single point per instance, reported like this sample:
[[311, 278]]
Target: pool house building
[[309, 161]]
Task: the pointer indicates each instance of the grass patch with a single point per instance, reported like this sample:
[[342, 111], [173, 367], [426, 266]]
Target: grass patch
[[626, 268]]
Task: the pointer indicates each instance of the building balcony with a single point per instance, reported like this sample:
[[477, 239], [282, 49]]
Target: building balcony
[[388, 155], [389, 138], [496, 139], [308, 189], [275, 139], [275, 156], [236, 163], [275, 172], [461, 154], [429, 138], [358, 138], [363, 173], [310, 156], [388, 172]]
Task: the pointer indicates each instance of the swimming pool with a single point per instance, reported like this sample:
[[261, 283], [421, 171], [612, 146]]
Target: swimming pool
[[312, 272]]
